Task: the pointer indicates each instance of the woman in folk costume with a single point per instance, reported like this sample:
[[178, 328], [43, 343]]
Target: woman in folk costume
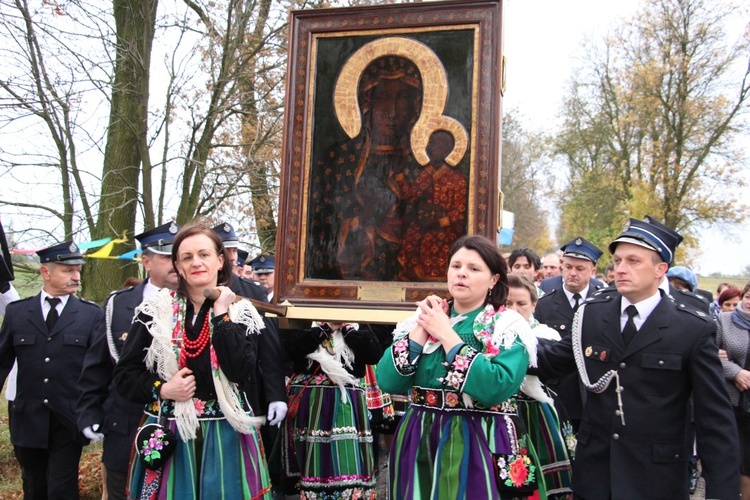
[[187, 356], [553, 442], [463, 360], [327, 445]]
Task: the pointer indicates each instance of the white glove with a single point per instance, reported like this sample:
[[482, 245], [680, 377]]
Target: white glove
[[276, 412], [90, 433]]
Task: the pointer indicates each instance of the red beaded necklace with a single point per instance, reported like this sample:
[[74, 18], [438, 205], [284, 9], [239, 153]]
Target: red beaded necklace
[[193, 348]]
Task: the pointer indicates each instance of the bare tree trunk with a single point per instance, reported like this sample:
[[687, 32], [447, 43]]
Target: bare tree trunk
[[126, 141]]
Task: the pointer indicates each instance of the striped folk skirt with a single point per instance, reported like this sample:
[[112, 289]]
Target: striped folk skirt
[[443, 452], [327, 447], [220, 463], [551, 448]]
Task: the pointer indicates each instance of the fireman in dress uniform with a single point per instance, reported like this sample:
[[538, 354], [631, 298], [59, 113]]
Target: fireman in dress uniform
[[103, 413], [49, 335], [640, 356]]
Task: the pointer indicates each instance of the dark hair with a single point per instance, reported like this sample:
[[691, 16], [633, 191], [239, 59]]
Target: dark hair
[[524, 282], [746, 289], [530, 255], [730, 293], [610, 267], [491, 256], [724, 283], [225, 273]]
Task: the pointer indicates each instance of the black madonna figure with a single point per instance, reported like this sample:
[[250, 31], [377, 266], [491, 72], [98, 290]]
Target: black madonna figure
[[358, 186]]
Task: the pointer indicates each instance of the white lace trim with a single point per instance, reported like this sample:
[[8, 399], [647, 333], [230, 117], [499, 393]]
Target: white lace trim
[[161, 359]]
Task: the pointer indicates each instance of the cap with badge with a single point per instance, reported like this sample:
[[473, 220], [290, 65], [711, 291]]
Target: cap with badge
[[263, 264], [64, 253], [227, 235], [159, 239], [581, 248], [650, 234], [241, 257]]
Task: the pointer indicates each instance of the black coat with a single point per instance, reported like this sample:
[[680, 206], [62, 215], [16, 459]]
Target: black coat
[[367, 344], [267, 384], [556, 282], [100, 403], [49, 364], [671, 357], [554, 310]]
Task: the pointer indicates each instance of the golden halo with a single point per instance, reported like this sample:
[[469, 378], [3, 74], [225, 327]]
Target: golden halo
[[434, 96]]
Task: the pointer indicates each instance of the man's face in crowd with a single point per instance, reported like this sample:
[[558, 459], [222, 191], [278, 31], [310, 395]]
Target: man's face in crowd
[[523, 266], [576, 273], [638, 271], [551, 265], [160, 270], [60, 279], [266, 279]]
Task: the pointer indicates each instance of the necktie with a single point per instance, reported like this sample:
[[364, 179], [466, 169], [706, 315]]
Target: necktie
[[52, 314], [577, 298], [630, 330]]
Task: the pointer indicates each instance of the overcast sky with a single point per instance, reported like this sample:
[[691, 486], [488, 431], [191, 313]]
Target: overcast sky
[[541, 41]]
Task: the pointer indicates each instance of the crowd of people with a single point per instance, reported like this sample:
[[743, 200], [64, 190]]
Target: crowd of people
[[531, 378]]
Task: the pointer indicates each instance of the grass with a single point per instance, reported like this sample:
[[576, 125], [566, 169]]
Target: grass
[[711, 282]]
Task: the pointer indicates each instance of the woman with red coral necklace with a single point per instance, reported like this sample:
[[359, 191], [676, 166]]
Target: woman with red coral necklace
[[198, 354], [463, 360]]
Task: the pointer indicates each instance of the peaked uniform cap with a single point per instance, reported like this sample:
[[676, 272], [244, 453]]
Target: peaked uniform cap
[[263, 264], [227, 235], [159, 239], [581, 248], [649, 234], [63, 253]]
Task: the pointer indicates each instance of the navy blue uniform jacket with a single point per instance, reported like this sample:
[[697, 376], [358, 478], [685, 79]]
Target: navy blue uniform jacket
[[49, 364]]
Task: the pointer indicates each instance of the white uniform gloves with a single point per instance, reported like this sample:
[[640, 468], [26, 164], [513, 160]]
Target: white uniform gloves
[[276, 412], [90, 433]]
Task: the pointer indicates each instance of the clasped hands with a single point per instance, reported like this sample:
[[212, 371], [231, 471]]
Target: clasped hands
[[181, 387], [434, 320]]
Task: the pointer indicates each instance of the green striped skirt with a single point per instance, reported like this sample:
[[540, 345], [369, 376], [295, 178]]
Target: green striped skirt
[[327, 446], [220, 463]]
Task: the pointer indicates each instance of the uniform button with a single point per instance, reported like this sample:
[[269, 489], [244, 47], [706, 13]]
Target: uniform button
[[46, 381], [615, 436], [677, 455], [623, 365], [618, 412], [661, 362], [114, 424], [46, 401], [23, 340], [46, 360], [562, 327], [49, 339]]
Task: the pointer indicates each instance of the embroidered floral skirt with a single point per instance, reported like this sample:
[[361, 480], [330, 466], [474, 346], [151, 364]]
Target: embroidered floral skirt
[[220, 463], [443, 451], [551, 448], [326, 449]]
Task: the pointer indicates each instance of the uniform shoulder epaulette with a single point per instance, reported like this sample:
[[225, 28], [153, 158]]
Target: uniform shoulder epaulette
[[251, 282], [89, 302], [546, 295], [114, 293], [681, 306], [20, 301], [600, 297], [605, 290], [693, 295]]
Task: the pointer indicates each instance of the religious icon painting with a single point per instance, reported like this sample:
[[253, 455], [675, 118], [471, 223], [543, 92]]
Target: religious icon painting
[[391, 151]]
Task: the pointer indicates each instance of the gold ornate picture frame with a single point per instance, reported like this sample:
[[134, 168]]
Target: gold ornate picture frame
[[391, 150]]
